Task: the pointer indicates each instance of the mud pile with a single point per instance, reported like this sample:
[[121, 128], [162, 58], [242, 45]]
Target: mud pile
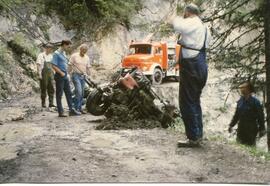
[[121, 117]]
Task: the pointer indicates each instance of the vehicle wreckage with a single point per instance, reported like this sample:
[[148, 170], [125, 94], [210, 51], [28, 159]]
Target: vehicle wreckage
[[129, 98]]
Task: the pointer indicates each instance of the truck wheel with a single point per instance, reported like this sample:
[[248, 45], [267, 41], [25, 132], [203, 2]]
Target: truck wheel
[[94, 103], [157, 76]]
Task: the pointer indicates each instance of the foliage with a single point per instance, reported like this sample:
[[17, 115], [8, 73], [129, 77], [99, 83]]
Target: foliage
[[21, 45], [165, 30], [93, 15], [3, 54], [250, 149], [5, 65], [177, 125], [238, 39], [238, 44], [254, 151]]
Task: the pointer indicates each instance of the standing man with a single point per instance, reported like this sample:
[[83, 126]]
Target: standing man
[[45, 72], [249, 116], [195, 38], [60, 64], [79, 68]]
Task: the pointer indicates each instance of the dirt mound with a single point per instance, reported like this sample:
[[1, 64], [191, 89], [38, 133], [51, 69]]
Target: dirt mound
[[122, 117], [138, 117], [114, 124]]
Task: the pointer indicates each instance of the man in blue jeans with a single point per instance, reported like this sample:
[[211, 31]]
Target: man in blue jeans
[[194, 40], [79, 67], [60, 64]]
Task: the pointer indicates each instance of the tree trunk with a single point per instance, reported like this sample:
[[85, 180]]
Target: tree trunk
[[267, 63]]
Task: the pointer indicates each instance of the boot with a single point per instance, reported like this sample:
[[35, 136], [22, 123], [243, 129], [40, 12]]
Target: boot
[[189, 143], [62, 115], [74, 112], [51, 105], [51, 102], [43, 103]]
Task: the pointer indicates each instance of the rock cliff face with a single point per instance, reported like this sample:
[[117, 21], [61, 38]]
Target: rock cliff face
[[21, 35], [23, 29]]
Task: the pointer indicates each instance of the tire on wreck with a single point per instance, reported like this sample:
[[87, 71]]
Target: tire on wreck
[[95, 104]]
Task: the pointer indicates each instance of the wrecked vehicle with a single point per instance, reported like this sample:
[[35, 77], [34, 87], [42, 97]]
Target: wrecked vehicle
[[130, 98]]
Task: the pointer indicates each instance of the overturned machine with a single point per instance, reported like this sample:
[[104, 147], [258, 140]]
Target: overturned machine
[[129, 97]]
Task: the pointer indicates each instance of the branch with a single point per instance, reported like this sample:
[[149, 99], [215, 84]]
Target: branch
[[212, 18]]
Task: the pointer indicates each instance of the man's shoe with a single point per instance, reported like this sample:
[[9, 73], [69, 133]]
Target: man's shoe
[[189, 143], [74, 113], [83, 112], [62, 115], [43, 103], [51, 105]]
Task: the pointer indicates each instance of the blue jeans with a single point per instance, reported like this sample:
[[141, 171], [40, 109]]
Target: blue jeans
[[79, 82], [193, 77], [62, 85]]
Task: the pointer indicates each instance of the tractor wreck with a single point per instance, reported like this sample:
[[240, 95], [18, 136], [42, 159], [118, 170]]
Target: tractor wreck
[[129, 103]]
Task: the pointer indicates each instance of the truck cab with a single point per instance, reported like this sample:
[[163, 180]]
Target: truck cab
[[157, 60]]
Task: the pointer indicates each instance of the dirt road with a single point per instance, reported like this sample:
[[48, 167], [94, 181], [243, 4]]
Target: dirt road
[[40, 147]]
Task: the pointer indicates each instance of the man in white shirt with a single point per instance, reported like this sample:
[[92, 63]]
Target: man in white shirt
[[195, 38], [46, 74], [79, 67]]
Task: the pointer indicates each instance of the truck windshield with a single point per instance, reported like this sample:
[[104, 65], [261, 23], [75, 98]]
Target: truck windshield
[[140, 49]]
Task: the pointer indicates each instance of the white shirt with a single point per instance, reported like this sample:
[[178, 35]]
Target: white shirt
[[81, 63], [192, 34], [43, 58]]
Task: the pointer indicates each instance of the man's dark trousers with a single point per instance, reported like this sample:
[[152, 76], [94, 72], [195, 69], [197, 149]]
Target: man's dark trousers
[[46, 85], [62, 85], [193, 77]]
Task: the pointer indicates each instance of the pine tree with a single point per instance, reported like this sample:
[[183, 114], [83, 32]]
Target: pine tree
[[267, 62]]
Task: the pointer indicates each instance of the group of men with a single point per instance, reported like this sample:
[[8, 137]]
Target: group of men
[[195, 38], [57, 66]]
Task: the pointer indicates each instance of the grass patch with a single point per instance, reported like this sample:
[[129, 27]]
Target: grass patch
[[6, 64], [217, 138], [165, 30], [254, 151], [21, 45], [92, 17], [177, 125], [249, 149]]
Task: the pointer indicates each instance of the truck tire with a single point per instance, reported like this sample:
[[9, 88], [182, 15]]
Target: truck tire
[[157, 76], [94, 104]]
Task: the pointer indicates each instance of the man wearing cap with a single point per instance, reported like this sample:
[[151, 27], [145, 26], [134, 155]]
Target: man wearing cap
[[249, 116], [45, 73], [60, 64], [194, 40]]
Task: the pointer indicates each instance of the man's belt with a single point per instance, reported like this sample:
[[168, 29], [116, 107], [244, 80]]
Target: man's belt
[[80, 74], [186, 47]]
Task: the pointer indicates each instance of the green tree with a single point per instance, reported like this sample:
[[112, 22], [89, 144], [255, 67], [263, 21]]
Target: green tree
[[267, 62], [93, 17], [241, 41]]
